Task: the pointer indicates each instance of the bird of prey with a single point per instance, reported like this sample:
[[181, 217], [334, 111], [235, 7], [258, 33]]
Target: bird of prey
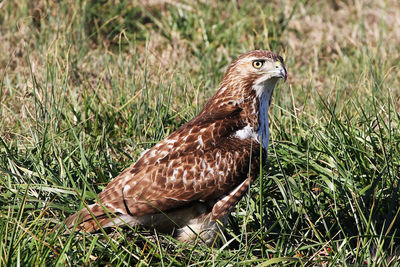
[[193, 178]]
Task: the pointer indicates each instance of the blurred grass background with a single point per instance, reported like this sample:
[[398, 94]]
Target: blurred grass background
[[86, 86]]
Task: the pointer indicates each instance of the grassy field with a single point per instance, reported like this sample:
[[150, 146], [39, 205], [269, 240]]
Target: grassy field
[[86, 86]]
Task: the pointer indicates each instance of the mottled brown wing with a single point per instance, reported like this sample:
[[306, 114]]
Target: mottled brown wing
[[200, 161]]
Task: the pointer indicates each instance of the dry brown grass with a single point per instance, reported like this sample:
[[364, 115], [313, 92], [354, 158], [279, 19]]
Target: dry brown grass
[[355, 33], [325, 44]]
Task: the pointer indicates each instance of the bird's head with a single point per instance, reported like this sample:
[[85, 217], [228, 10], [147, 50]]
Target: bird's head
[[253, 74], [255, 70]]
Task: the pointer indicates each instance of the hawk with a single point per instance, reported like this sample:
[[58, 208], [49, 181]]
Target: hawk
[[193, 178]]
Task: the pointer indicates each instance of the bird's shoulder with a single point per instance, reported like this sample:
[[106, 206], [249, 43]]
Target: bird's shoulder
[[203, 133]]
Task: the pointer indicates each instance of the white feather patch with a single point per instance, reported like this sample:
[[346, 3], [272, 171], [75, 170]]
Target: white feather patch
[[200, 140], [244, 133]]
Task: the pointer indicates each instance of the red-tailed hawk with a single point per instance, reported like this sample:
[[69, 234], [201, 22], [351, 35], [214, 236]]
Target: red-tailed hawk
[[195, 176]]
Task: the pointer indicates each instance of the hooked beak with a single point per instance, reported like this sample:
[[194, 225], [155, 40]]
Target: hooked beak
[[283, 72], [279, 71]]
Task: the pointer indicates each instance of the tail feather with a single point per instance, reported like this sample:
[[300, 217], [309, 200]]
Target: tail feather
[[85, 220]]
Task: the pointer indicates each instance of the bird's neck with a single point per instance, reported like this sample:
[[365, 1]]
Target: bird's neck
[[255, 113], [254, 100]]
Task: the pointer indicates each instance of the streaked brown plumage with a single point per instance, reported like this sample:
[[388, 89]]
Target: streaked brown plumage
[[195, 176]]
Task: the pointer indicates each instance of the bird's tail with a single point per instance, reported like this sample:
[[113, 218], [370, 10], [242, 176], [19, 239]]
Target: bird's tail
[[89, 219]]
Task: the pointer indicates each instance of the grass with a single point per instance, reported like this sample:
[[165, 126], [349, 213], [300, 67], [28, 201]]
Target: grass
[[86, 86]]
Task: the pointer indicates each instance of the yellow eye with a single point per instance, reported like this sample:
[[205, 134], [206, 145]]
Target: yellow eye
[[258, 64]]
